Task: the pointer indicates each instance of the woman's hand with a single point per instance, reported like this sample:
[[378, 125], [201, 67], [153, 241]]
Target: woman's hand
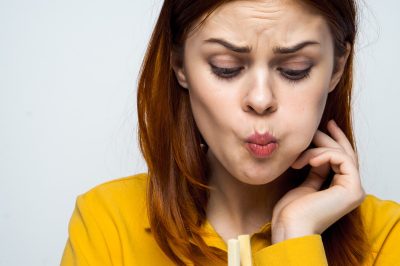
[[306, 210]]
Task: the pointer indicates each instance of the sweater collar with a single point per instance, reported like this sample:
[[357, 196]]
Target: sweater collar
[[212, 239]]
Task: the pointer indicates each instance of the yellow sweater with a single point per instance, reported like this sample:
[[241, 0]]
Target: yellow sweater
[[109, 226]]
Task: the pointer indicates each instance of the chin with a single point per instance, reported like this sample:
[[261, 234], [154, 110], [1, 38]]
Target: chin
[[258, 179]]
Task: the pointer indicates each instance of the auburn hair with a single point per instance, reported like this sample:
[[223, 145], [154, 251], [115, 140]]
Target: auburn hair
[[173, 149]]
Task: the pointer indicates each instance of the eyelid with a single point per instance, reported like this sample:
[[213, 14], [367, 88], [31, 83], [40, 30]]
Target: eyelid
[[225, 67], [232, 68], [296, 75], [292, 61], [297, 64], [295, 69], [226, 73], [225, 63]]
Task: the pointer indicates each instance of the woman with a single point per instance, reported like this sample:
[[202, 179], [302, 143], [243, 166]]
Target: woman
[[245, 125]]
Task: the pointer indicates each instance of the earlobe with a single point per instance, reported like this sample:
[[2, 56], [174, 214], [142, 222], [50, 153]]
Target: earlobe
[[341, 63], [177, 66]]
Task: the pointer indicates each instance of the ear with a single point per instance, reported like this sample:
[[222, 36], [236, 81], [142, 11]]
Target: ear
[[178, 67], [341, 63]]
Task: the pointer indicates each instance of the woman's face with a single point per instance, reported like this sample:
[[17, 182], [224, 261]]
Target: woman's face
[[243, 78]]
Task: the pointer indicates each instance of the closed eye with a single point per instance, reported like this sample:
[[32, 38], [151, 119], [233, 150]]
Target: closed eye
[[226, 73], [295, 75], [292, 75]]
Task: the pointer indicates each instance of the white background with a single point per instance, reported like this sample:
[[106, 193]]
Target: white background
[[68, 72]]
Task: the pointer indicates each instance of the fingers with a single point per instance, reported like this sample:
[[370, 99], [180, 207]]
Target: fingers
[[341, 138], [338, 161], [316, 177], [338, 141], [305, 157], [321, 139]]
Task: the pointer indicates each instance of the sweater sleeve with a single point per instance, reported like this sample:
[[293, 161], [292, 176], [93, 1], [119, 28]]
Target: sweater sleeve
[[307, 250], [382, 220], [86, 244], [389, 254]]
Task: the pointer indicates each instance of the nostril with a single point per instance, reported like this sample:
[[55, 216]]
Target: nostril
[[262, 110]]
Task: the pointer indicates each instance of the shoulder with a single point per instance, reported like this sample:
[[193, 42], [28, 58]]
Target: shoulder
[[381, 220], [119, 200], [133, 186], [109, 225]]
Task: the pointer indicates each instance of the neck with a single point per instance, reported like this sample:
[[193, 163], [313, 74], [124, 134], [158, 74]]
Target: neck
[[236, 208]]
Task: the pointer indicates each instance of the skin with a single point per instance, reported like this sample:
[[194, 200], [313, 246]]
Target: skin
[[256, 92]]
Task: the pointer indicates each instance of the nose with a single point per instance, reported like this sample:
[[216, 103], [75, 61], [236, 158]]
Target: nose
[[260, 96]]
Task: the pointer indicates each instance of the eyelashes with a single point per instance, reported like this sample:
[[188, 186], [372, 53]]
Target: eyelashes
[[290, 75], [226, 73], [294, 75]]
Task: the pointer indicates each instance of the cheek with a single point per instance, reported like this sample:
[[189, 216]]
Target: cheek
[[212, 107], [214, 101], [309, 106], [308, 110]]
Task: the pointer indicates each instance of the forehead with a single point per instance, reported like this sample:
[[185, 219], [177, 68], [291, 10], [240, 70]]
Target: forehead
[[273, 22]]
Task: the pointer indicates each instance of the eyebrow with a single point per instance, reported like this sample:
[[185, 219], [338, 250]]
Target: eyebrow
[[276, 50], [230, 46], [294, 48]]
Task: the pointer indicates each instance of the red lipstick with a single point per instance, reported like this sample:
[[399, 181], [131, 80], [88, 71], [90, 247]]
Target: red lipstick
[[261, 145]]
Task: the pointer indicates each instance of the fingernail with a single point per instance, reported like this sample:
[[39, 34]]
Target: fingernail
[[334, 123]]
